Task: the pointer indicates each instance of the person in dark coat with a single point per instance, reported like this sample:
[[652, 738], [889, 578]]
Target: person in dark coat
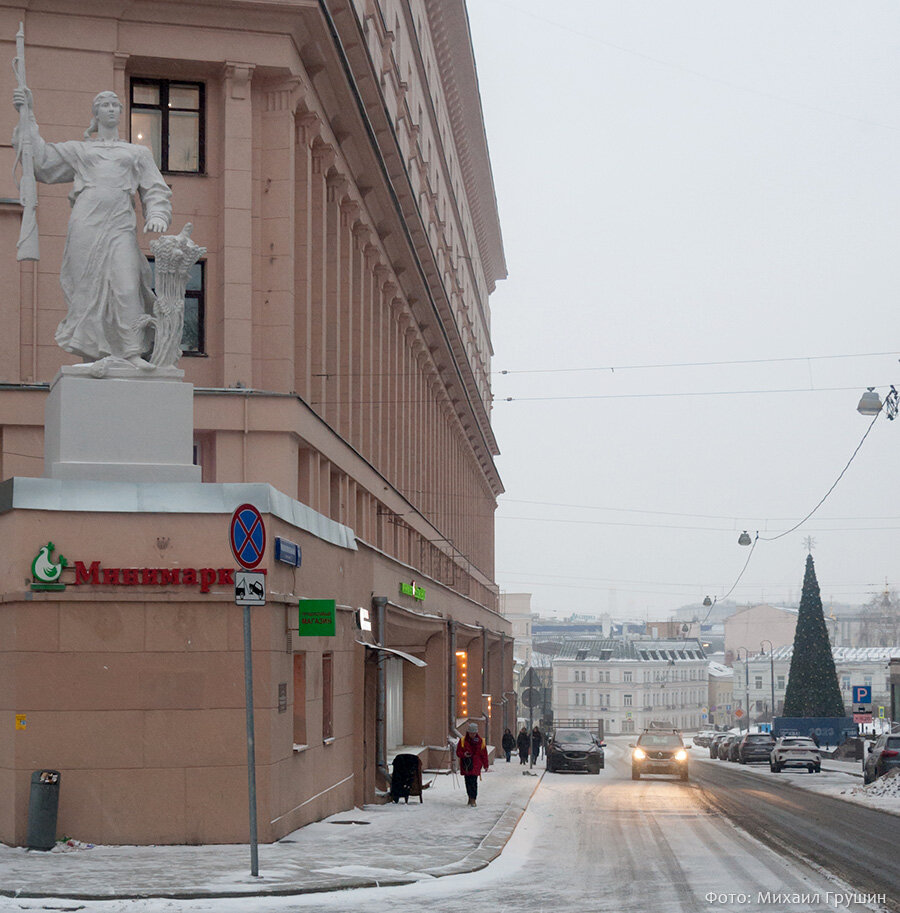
[[537, 740], [473, 758], [523, 743], [508, 743]]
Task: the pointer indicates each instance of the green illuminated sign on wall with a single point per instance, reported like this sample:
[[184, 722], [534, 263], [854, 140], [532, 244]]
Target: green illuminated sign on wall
[[316, 618], [410, 589]]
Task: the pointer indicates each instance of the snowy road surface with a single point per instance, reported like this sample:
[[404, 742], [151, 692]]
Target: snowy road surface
[[586, 843], [857, 843]]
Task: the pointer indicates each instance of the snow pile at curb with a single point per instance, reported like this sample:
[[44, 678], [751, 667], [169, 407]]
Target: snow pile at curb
[[888, 785]]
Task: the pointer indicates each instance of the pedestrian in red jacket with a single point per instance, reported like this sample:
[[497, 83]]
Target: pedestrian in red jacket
[[473, 758]]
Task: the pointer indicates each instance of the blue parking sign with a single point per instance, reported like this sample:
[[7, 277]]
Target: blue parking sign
[[862, 694]]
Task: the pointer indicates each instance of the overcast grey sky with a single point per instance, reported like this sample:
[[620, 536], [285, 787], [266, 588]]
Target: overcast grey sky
[[685, 182]]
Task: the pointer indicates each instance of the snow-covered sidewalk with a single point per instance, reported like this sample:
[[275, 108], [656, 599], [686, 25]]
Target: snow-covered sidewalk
[[373, 845], [839, 779]]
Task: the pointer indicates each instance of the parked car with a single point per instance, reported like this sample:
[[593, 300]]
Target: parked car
[[575, 749], [723, 746], [755, 746], [715, 742], [704, 737], [795, 751], [883, 756], [659, 752], [733, 747]]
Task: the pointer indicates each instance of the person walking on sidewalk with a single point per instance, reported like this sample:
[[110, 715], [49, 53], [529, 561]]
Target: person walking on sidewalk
[[508, 743], [523, 743], [473, 758], [537, 740]]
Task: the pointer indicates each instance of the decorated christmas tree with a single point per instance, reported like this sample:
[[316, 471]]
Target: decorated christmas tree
[[812, 688]]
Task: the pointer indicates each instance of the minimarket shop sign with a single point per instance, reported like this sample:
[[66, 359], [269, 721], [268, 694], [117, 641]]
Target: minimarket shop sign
[[204, 577], [47, 574]]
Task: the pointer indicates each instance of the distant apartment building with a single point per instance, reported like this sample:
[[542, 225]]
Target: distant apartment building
[[516, 608], [631, 685], [721, 695], [854, 666], [747, 628]]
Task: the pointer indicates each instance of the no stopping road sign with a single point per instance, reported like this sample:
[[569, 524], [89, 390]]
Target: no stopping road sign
[[248, 536]]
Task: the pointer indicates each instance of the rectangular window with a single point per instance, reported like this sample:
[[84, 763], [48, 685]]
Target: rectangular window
[[780, 683], [626, 700], [758, 681], [299, 699], [168, 117], [626, 676], [845, 682], [327, 696], [193, 336]]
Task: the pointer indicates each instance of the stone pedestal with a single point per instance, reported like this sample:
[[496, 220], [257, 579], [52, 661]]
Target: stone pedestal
[[134, 429]]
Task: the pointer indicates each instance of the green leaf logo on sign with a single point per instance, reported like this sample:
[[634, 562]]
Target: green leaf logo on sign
[[316, 618]]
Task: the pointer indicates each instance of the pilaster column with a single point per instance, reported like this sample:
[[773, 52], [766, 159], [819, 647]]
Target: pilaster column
[[277, 237], [323, 156], [335, 282], [348, 298], [237, 266]]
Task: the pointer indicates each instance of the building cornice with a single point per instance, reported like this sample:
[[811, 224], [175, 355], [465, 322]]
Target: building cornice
[[452, 41]]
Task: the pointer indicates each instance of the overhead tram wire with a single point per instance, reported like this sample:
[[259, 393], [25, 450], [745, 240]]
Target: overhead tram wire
[[693, 364], [667, 395], [830, 490], [797, 526], [613, 368], [597, 396], [736, 582]]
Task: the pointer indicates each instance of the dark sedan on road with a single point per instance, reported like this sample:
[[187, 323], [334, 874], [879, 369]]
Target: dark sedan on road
[[755, 746], [574, 749], [883, 756]]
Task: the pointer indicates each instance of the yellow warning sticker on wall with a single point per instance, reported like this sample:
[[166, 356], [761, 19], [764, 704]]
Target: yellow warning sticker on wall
[[21, 721]]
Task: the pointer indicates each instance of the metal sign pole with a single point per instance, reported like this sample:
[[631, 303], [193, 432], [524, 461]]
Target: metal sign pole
[[251, 743], [247, 537]]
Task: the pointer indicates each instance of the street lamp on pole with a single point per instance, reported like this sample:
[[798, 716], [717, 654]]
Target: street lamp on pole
[[771, 672], [746, 682]]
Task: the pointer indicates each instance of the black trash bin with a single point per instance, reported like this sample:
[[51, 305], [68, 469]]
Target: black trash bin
[[42, 807]]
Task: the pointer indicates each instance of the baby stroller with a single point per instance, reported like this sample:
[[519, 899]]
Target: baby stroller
[[406, 779]]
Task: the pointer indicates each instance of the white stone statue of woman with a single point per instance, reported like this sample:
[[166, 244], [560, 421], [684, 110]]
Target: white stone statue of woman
[[105, 278]]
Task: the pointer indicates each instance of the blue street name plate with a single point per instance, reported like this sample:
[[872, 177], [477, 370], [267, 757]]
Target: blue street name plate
[[287, 552]]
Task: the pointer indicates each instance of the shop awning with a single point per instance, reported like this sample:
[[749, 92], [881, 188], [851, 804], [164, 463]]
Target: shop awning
[[408, 657]]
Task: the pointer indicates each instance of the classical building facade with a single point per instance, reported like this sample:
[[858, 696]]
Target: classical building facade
[[333, 161], [753, 680], [631, 685]]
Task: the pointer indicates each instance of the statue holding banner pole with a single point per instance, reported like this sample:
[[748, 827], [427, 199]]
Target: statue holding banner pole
[[112, 311], [28, 247]]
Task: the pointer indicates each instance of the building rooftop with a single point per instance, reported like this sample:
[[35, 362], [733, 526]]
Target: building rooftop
[[610, 650], [840, 654]]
